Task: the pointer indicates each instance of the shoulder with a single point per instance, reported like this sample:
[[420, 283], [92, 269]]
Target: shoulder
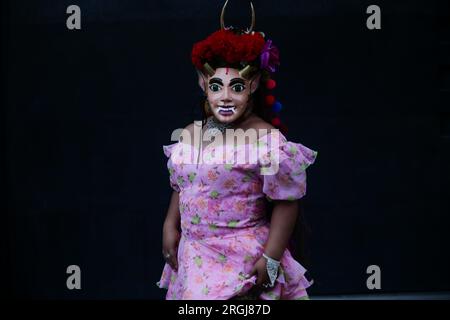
[[191, 127], [187, 132]]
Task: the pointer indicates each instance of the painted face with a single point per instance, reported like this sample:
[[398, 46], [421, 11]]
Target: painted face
[[228, 94]]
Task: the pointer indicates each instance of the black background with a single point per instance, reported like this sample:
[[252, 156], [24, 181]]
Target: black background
[[86, 113]]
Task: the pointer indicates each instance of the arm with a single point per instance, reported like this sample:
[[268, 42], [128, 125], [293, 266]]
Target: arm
[[173, 213], [282, 224], [171, 233]]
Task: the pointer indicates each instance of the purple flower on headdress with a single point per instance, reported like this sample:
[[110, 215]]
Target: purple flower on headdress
[[270, 57]]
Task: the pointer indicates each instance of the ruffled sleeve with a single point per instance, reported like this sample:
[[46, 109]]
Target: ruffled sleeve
[[286, 180], [168, 150]]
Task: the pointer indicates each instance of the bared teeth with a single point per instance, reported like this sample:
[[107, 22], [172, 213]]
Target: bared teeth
[[227, 109]]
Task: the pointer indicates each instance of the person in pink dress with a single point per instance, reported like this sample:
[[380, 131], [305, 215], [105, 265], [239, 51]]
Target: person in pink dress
[[219, 240]]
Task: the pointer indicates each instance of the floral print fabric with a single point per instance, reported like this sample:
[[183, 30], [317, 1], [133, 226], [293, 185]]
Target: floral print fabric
[[223, 220]]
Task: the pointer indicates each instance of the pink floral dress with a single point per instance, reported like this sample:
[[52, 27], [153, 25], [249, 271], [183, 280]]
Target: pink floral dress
[[224, 224]]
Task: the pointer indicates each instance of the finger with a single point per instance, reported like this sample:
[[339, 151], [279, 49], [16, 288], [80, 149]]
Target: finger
[[264, 277], [259, 281], [252, 272], [265, 281]]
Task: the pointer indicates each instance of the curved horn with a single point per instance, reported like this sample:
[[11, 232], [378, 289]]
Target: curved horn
[[209, 69], [247, 72], [253, 18], [222, 15]]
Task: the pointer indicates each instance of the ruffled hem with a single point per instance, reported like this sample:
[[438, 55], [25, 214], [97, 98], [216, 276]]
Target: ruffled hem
[[276, 293], [215, 280], [244, 287]]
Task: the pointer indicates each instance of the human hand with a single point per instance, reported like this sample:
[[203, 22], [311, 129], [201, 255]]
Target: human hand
[[262, 278], [171, 239]]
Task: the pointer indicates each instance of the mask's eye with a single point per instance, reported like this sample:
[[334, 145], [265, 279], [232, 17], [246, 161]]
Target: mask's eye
[[238, 88], [214, 87]]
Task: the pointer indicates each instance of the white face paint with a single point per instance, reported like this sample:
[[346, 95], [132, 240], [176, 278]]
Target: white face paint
[[228, 94]]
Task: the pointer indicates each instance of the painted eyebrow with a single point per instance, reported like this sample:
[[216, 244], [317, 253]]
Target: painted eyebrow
[[216, 80], [237, 80]]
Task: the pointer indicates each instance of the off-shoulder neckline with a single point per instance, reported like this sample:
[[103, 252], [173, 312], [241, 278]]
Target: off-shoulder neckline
[[282, 138]]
